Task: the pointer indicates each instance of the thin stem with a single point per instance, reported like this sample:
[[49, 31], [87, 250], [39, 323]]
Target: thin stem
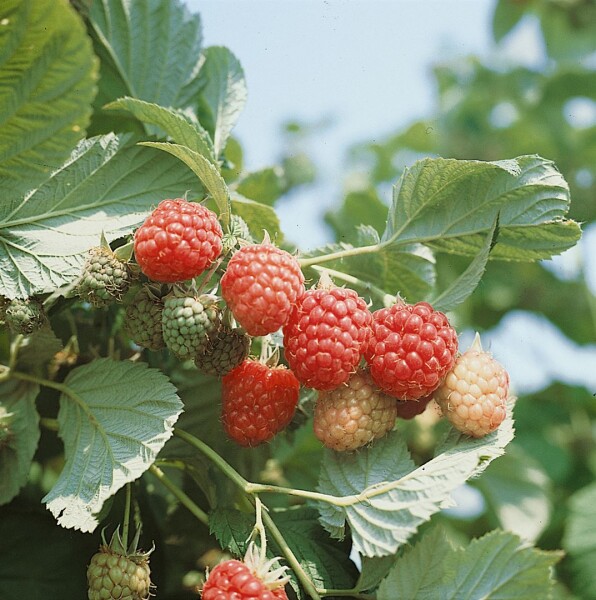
[[48, 423], [349, 593], [317, 260], [64, 389], [174, 464], [180, 495], [126, 523], [294, 563], [258, 488], [386, 298], [214, 457], [14, 351]]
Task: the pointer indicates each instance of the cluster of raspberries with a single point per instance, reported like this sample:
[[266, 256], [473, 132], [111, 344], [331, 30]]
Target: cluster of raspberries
[[368, 367]]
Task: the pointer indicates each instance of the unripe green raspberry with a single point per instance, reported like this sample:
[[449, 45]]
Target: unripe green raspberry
[[353, 414], [474, 394], [188, 323], [104, 279], [224, 352], [143, 320], [24, 316], [115, 574]]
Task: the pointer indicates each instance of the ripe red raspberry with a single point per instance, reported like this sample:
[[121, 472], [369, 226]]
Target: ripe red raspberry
[[178, 241], [354, 414], [408, 409], [326, 335], [251, 579], [411, 349], [261, 285], [258, 401], [474, 394]]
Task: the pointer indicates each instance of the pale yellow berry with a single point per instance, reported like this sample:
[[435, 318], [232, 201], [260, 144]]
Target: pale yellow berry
[[354, 414], [473, 395]]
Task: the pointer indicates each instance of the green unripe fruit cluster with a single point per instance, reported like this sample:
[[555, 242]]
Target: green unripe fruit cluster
[[105, 278], [188, 323], [143, 320]]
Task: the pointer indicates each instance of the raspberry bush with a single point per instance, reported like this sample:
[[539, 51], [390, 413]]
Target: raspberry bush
[[171, 363]]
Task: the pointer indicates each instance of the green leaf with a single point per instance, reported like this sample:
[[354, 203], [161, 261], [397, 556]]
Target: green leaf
[[264, 186], [19, 435], [182, 127], [231, 528], [383, 497], [579, 540], [358, 208], [498, 566], [259, 217], [47, 84], [223, 95], [408, 269], [463, 287], [37, 350], [451, 205], [506, 16], [108, 185], [148, 50], [326, 561], [418, 573], [517, 490], [569, 30], [373, 571], [204, 170], [114, 418]]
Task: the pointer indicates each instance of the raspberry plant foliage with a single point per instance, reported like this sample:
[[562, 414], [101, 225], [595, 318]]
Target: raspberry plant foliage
[[138, 432]]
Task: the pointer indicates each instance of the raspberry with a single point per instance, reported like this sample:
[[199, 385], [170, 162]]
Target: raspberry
[[261, 286], [408, 409], [143, 320], [251, 579], [188, 322], [411, 349], [474, 394], [258, 401], [104, 279], [24, 316], [114, 573], [178, 240], [326, 335], [353, 414], [224, 352]]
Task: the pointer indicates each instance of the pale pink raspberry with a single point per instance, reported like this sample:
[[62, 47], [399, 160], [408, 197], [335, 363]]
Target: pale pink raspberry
[[353, 414], [474, 394]]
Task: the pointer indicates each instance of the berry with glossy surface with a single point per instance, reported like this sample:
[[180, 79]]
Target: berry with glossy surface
[[188, 322], [178, 241], [143, 320], [261, 286], [326, 335], [105, 278], [223, 352], [353, 414], [474, 394], [411, 349], [258, 401], [254, 578], [233, 580]]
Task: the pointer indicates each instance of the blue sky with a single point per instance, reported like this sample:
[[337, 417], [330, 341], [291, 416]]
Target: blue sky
[[364, 65]]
